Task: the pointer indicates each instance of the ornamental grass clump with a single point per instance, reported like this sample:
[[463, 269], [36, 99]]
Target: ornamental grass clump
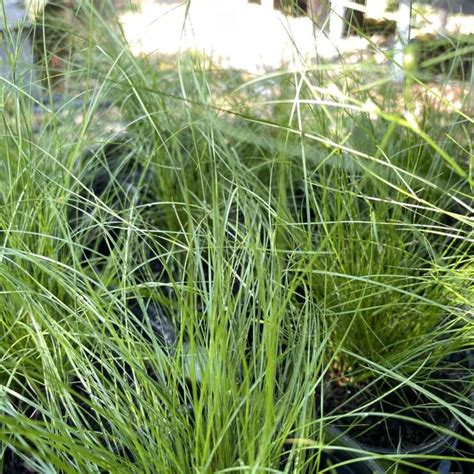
[[250, 285]]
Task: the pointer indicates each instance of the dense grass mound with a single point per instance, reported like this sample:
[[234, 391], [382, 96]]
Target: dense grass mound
[[200, 277]]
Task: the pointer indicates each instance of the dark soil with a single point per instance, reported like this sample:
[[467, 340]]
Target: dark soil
[[385, 433], [13, 464]]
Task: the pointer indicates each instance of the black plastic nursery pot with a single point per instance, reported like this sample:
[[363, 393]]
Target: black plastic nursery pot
[[341, 454], [353, 457], [114, 181], [402, 422], [350, 457]]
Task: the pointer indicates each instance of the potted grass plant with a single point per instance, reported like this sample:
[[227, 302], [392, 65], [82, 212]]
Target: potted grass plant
[[341, 348], [400, 367]]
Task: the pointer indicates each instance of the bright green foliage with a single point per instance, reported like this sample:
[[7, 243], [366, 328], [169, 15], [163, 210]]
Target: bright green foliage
[[325, 231]]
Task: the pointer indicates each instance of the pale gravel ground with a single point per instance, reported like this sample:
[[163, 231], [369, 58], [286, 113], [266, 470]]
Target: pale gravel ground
[[233, 33], [236, 34]]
